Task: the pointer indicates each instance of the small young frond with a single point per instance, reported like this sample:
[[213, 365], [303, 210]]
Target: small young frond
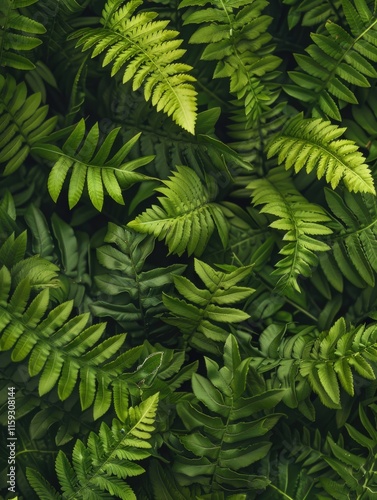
[[91, 167], [22, 123], [187, 216], [200, 312], [148, 54], [107, 460], [300, 220], [17, 34], [314, 144]]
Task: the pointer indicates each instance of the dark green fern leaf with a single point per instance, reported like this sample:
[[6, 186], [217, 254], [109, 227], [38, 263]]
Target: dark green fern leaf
[[17, 34], [300, 220], [108, 459], [133, 291], [91, 166], [187, 216], [355, 245], [235, 34], [22, 123], [227, 432], [337, 60], [314, 144], [199, 314], [151, 54]]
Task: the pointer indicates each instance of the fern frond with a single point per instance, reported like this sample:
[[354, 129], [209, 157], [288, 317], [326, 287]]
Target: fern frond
[[314, 144], [62, 350], [133, 291], [17, 33], [300, 220], [337, 60], [187, 216], [22, 123], [355, 246], [107, 460], [227, 432], [91, 166], [327, 361], [311, 13], [235, 34], [199, 313], [151, 54]]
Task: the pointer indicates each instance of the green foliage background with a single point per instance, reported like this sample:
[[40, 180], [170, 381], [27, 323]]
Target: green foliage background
[[188, 248]]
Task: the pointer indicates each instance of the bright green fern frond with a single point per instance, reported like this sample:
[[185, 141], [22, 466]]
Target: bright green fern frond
[[148, 54], [22, 123], [107, 460], [17, 34], [314, 144], [235, 34], [200, 312], [187, 216], [300, 220], [337, 60], [226, 431], [91, 166]]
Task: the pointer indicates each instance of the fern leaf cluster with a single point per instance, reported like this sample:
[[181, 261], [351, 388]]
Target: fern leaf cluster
[[218, 421], [17, 34], [133, 292], [151, 54], [354, 246], [235, 34], [108, 459], [91, 167], [60, 349], [22, 123], [337, 60], [314, 145], [300, 219], [187, 216], [200, 311]]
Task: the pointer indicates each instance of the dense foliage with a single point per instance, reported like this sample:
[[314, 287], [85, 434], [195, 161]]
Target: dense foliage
[[188, 249]]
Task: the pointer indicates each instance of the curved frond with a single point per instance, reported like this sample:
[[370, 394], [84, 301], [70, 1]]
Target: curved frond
[[22, 123], [314, 144], [200, 312], [108, 459], [148, 54], [187, 216], [91, 167], [17, 34], [300, 220]]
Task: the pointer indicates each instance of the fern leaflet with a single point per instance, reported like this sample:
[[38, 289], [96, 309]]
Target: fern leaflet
[[197, 315], [107, 460], [22, 123], [314, 144], [90, 166], [300, 219], [17, 34], [187, 217], [150, 53], [235, 34]]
